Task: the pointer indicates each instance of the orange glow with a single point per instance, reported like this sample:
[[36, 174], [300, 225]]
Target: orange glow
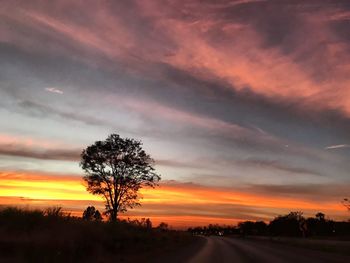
[[42, 186], [178, 204], [173, 194]]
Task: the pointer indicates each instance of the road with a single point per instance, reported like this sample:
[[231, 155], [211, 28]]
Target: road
[[238, 250]]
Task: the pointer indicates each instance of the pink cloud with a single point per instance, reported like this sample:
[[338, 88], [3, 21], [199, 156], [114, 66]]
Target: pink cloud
[[31, 142], [240, 58]]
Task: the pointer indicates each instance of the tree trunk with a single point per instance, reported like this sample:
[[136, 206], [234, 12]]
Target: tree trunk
[[114, 215]]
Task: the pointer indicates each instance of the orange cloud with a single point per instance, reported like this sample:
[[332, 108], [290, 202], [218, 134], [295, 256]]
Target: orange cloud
[[43, 186], [194, 194]]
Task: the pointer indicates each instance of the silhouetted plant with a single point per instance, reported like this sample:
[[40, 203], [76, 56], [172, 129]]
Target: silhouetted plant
[[33, 236], [252, 228], [288, 225], [54, 212], [284, 225], [20, 219], [319, 226], [143, 222], [320, 216], [117, 169], [163, 226], [97, 216], [148, 223], [91, 214]]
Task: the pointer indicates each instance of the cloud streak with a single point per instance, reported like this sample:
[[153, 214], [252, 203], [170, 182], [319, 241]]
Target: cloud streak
[[37, 149], [338, 146], [44, 154], [54, 90]]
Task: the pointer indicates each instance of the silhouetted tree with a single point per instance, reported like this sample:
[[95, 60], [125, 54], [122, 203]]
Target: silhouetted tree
[[117, 169], [97, 216], [319, 226], [288, 225], [284, 225], [163, 226], [252, 228], [346, 203], [91, 214], [320, 216], [143, 222], [55, 212], [148, 223]]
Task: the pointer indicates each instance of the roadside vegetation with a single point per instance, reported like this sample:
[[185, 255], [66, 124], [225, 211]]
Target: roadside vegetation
[[293, 224], [317, 233], [53, 236]]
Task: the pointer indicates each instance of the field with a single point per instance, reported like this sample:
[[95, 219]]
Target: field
[[52, 236]]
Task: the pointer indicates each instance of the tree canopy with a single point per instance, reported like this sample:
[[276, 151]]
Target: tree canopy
[[117, 168]]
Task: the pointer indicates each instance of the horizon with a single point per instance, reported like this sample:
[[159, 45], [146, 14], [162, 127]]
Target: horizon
[[192, 197], [243, 105]]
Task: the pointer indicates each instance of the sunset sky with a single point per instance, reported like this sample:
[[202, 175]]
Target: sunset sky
[[243, 104]]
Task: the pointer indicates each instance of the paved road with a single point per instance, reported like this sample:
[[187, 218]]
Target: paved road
[[224, 250]]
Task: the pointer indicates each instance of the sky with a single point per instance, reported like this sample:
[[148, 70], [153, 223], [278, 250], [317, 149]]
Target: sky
[[243, 104]]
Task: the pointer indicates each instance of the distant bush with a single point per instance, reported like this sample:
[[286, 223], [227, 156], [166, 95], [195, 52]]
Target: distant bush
[[54, 212], [214, 230], [287, 225], [293, 224], [91, 214], [163, 226], [253, 228], [141, 223], [318, 226], [17, 220]]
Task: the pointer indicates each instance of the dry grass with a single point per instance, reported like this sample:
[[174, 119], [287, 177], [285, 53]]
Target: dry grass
[[51, 236]]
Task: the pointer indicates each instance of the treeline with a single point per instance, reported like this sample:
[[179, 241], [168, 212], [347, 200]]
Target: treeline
[[293, 224]]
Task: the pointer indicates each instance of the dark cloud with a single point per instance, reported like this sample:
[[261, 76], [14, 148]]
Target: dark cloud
[[46, 111], [178, 164], [275, 165], [315, 191], [226, 211], [39, 153]]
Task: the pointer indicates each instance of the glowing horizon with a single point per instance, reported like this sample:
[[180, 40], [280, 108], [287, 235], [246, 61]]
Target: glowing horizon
[[198, 204]]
